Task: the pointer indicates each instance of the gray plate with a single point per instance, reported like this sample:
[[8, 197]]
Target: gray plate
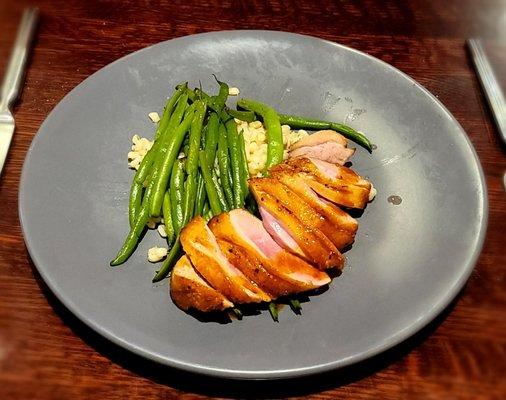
[[408, 261]]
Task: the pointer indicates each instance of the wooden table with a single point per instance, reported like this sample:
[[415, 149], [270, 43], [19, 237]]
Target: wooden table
[[46, 353]]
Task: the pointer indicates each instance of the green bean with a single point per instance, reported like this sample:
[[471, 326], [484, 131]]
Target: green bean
[[219, 191], [209, 138], [225, 117], [213, 103], [160, 147], [196, 94], [270, 117], [189, 195], [140, 177], [222, 96], [167, 217], [204, 134], [192, 96], [138, 183], [176, 117], [308, 123], [169, 262], [169, 108], [134, 203], [237, 313], [135, 231], [248, 116], [192, 161], [206, 208], [133, 237], [244, 164], [200, 197], [201, 190], [190, 109], [273, 309], [212, 138], [235, 161], [145, 165], [224, 165], [200, 94], [295, 306], [150, 163], [168, 153], [177, 180], [212, 194], [208, 215], [185, 148]]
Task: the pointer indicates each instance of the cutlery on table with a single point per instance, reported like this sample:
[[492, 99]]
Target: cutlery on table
[[491, 87], [13, 79]]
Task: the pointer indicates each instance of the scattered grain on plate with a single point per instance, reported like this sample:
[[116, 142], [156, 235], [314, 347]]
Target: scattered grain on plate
[[233, 91], [140, 146], [255, 140], [153, 116], [161, 230], [156, 254]]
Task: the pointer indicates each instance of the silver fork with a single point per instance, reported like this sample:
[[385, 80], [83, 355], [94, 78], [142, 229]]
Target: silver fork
[[14, 78]]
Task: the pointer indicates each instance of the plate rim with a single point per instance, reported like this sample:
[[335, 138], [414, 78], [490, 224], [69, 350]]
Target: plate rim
[[384, 345]]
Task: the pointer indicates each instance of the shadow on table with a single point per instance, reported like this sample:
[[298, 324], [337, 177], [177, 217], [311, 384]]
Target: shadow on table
[[218, 387]]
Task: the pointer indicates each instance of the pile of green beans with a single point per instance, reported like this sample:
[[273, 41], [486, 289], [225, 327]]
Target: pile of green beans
[[197, 164]]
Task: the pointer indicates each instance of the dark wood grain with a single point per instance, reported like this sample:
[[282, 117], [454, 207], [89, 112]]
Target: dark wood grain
[[46, 353]]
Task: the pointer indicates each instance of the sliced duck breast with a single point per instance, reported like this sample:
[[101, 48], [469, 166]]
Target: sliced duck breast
[[205, 254], [279, 233], [295, 181], [319, 137], [253, 268], [326, 145], [304, 212], [246, 231], [335, 183], [317, 248], [189, 290]]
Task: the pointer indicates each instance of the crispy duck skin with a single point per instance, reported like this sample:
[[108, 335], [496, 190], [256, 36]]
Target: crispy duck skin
[[252, 268], [339, 219], [333, 171], [200, 245], [189, 290], [304, 212], [319, 250], [338, 184], [247, 232]]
